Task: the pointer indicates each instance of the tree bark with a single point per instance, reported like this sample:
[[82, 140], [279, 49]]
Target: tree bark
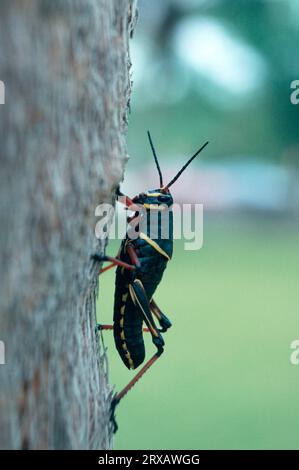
[[66, 69]]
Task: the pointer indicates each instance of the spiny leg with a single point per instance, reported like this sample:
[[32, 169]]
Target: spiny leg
[[101, 327], [116, 399], [113, 261], [117, 262], [165, 323]]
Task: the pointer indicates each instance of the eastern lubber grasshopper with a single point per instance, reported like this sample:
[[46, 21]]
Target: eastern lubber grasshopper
[[140, 265]]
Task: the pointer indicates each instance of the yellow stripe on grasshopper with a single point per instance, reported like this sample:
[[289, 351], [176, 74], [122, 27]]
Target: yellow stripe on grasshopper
[[153, 194], [158, 207], [136, 301], [154, 245]]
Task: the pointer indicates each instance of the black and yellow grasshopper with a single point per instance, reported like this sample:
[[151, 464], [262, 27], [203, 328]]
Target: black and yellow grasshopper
[[140, 265]]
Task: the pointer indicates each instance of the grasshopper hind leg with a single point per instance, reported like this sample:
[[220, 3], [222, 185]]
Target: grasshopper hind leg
[[164, 322], [117, 397]]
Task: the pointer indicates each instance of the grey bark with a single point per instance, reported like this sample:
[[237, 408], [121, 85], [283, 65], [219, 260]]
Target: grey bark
[[66, 69]]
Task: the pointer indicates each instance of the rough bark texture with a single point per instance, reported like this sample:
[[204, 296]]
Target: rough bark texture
[[65, 65]]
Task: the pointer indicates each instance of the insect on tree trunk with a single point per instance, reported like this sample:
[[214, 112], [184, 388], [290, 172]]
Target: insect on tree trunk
[[65, 66]]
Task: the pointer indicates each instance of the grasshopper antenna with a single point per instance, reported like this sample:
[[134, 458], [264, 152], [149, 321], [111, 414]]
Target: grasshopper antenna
[[156, 159], [165, 188]]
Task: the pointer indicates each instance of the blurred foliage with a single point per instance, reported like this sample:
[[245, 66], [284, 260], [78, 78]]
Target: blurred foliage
[[174, 100]]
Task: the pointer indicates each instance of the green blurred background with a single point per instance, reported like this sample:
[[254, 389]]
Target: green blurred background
[[218, 70]]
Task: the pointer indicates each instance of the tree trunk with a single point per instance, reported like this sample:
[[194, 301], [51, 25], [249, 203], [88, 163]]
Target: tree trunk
[[65, 66]]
